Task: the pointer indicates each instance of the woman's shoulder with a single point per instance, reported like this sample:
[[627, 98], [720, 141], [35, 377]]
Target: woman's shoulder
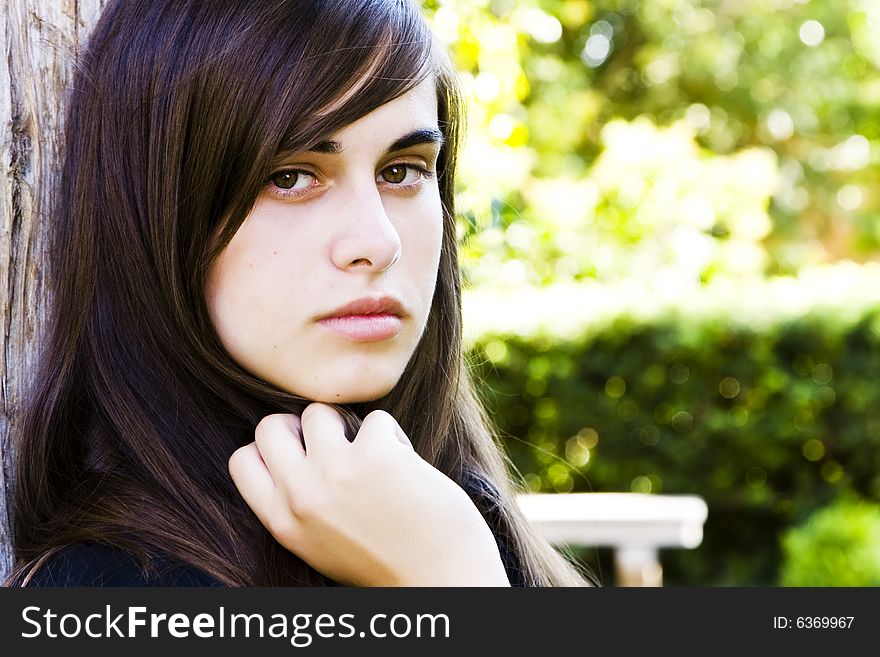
[[96, 564]]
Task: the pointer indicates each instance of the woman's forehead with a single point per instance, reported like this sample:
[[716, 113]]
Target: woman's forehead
[[416, 109], [406, 121]]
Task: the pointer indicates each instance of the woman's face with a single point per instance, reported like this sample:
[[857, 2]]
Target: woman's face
[[354, 220]]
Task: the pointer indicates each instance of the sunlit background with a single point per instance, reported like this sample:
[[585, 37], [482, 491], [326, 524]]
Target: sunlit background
[[669, 218]]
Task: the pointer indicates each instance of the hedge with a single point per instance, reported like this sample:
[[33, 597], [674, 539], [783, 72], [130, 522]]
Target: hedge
[[767, 424]]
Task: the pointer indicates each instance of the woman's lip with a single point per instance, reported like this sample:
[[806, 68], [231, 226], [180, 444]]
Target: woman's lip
[[364, 328], [386, 305]]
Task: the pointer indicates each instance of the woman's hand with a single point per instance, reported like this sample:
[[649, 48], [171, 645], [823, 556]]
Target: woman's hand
[[370, 512]]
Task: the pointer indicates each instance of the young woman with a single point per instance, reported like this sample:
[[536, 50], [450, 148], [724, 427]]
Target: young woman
[[254, 374]]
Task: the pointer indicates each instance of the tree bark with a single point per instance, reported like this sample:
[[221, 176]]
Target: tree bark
[[39, 41]]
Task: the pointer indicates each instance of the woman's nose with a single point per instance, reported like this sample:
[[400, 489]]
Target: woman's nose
[[369, 241]]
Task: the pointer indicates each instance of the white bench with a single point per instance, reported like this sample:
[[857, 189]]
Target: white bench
[[635, 525]]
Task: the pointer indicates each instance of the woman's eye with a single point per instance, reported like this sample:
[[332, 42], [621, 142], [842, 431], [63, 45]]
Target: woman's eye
[[402, 174], [291, 180]]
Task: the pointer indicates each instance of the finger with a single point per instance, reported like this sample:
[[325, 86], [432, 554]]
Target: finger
[[253, 480], [268, 501], [380, 425], [323, 430], [278, 438]]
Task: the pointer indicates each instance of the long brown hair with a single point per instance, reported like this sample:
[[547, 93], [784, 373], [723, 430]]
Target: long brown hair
[[176, 112]]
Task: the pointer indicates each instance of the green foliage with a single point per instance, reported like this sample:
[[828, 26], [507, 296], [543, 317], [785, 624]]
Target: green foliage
[[658, 200], [615, 138], [838, 545], [765, 424]]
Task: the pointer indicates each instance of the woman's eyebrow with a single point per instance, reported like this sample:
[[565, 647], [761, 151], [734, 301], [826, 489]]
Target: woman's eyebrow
[[414, 138]]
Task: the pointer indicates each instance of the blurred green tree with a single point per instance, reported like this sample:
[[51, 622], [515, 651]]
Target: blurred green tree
[[669, 224], [687, 138]]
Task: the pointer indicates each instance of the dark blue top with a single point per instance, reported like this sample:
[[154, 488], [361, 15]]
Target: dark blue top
[[95, 564]]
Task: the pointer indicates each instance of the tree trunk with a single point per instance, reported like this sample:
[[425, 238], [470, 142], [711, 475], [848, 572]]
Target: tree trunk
[[39, 40]]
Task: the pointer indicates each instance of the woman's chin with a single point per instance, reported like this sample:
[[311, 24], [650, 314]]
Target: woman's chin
[[351, 394]]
